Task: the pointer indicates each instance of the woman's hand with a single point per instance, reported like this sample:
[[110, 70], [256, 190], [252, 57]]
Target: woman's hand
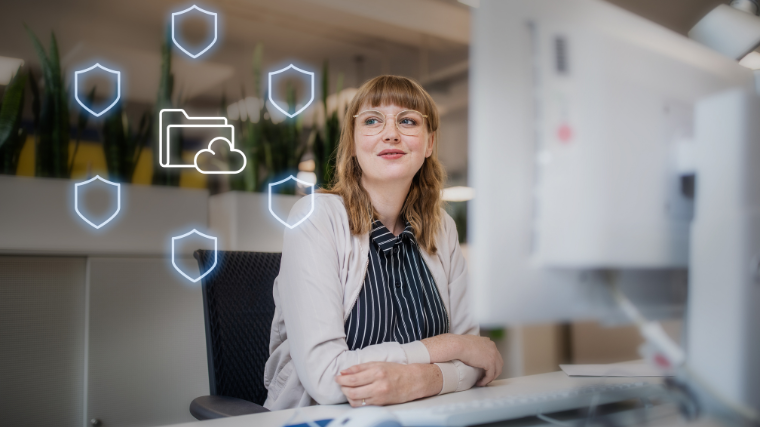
[[476, 351], [386, 383]]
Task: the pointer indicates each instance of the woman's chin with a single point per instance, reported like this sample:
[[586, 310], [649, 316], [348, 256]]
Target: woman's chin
[[392, 176]]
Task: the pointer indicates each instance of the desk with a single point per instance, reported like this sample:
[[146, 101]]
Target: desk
[[528, 384]]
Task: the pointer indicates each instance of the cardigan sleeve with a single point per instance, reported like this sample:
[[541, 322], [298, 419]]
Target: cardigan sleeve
[[457, 376]]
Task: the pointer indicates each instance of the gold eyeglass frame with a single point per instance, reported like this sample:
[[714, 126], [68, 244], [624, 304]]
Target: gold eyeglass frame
[[394, 121]]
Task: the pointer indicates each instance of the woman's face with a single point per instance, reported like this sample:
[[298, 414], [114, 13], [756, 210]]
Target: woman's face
[[391, 156]]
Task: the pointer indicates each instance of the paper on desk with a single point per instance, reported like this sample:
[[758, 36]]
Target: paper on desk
[[613, 370]]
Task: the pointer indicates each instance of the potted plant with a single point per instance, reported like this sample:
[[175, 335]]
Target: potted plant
[[242, 218], [39, 213]]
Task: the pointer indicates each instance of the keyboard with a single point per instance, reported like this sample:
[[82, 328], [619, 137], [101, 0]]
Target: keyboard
[[486, 410]]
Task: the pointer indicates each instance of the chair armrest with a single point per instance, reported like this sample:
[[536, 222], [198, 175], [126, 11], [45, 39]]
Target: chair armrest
[[212, 407]]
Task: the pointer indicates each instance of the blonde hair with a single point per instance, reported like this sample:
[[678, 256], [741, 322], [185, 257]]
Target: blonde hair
[[422, 207]]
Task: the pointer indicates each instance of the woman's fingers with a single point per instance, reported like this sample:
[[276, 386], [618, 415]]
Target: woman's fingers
[[357, 379], [359, 393], [492, 370], [487, 377], [364, 395], [358, 368]]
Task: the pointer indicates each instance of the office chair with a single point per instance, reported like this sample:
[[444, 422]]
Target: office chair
[[238, 309]]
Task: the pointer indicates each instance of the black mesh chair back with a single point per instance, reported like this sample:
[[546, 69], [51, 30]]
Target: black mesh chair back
[[238, 308]]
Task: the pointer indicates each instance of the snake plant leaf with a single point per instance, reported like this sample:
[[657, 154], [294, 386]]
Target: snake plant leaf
[[84, 117], [41, 54], [41, 109], [143, 133], [47, 71], [12, 137], [113, 144], [35, 98], [325, 85], [163, 176], [61, 127], [325, 142], [258, 56], [55, 61], [52, 144], [12, 107]]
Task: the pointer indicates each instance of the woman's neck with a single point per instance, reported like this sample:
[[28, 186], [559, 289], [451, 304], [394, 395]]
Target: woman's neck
[[388, 199]]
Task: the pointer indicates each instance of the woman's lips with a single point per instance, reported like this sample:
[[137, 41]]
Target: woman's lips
[[391, 154]]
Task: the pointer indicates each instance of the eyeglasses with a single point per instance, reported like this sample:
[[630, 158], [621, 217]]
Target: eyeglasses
[[408, 122]]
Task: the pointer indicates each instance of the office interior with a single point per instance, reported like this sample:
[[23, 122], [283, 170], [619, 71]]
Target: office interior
[[102, 311]]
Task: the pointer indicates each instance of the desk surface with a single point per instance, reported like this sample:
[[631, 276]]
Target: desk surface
[[512, 386]]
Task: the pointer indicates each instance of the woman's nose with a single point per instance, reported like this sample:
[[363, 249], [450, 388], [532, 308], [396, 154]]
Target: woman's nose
[[390, 133]]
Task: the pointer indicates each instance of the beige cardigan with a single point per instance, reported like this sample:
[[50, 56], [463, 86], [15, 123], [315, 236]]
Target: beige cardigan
[[321, 274]]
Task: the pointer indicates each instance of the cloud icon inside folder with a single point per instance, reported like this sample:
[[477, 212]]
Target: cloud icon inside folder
[[216, 130], [207, 156]]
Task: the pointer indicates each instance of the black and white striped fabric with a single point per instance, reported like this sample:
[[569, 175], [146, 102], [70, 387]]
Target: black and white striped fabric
[[399, 301]]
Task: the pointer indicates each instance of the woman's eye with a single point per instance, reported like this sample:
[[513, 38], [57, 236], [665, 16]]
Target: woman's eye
[[408, 122], [371, 121]]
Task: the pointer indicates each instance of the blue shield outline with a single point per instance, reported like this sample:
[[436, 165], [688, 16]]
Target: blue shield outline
[[306, 184], [76, 200], [174, 239], [76, 88], [308, 73], [216, 26]]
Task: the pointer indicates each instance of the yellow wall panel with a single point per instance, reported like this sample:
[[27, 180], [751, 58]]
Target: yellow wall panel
[[91, 161]]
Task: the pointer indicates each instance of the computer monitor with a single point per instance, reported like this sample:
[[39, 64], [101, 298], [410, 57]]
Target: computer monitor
[[581, 122]]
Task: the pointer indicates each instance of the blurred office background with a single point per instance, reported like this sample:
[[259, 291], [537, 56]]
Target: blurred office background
[[97, 326]]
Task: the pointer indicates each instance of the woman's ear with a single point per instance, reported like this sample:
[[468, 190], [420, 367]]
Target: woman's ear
[[430, 143]]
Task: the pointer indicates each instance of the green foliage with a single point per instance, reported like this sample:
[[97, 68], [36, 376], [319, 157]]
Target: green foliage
[[51, 116], [494, 334], [161, 175], [282, 144], [458, 212], [326, 142], [81, 126], [250, 134], [12, 137], [272, 149], [122, 147]]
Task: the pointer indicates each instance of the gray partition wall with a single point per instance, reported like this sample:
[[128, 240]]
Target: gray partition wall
[[112, 339], [147, 350], [42, 323]]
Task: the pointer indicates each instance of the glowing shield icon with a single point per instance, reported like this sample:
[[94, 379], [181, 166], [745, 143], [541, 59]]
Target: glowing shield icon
[[89, 182], [303, 183], [117, 76], [210, 238], [191, 9], [284, 111]]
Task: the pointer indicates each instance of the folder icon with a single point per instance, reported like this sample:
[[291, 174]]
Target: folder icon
[[169, 122]]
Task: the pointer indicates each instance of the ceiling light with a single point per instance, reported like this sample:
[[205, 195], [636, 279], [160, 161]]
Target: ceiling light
[[728, 30], [307, 165], [309, 177], [458, 194], [233, 111]]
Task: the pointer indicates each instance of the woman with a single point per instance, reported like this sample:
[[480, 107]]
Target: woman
[[371, 299]]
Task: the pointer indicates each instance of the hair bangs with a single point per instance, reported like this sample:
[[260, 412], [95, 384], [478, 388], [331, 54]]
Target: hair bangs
[[398, 92]]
